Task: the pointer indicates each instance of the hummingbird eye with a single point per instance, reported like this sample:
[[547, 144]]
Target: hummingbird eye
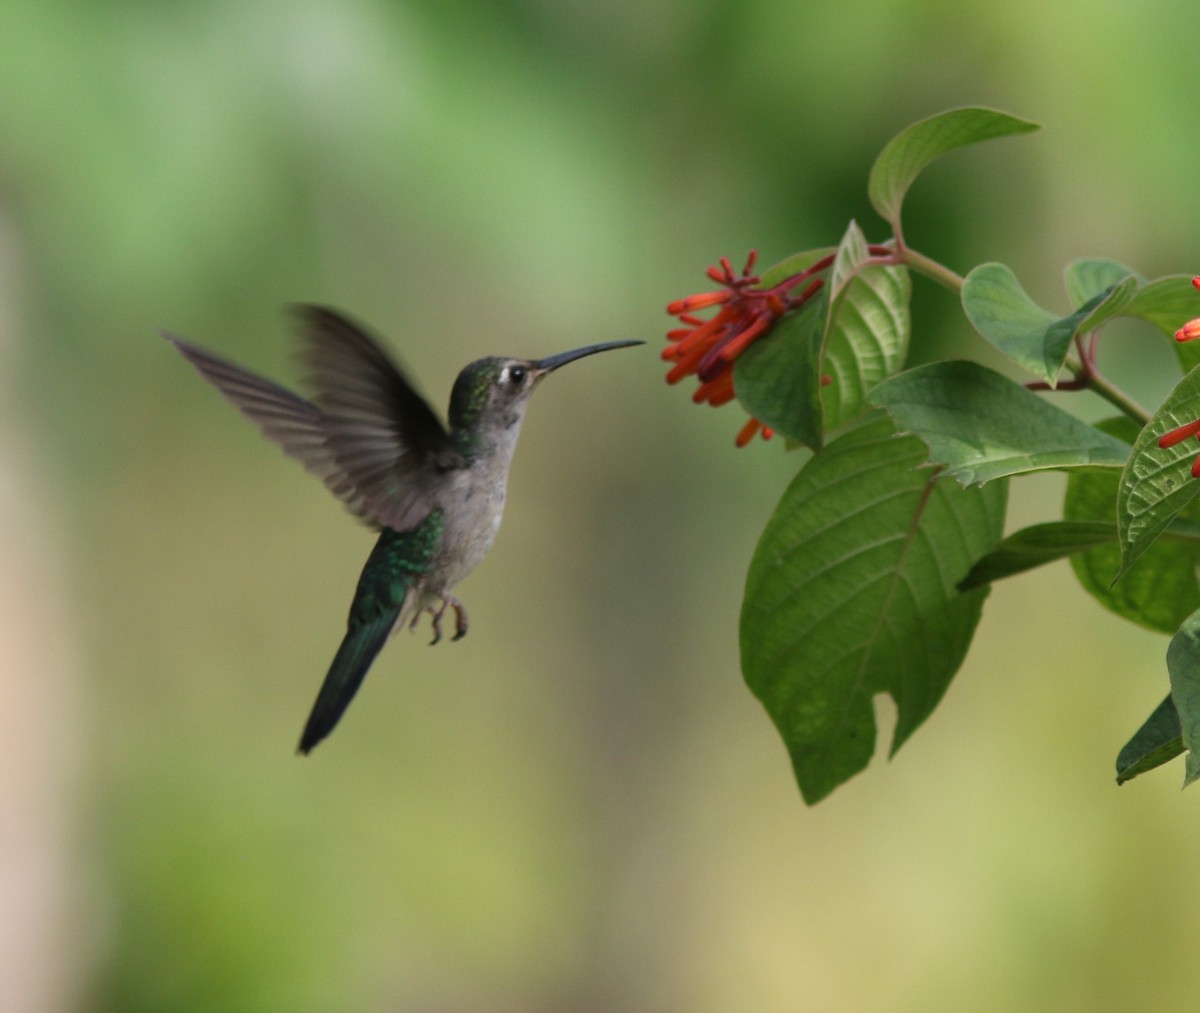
[[516, 375]]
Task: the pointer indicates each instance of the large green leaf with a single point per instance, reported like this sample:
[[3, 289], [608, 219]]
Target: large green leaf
[[910, 151], [1183, 665], [1158, 740], [1156, 483], [981, 425], [851, 593], [1035, 339], [1161, 590]]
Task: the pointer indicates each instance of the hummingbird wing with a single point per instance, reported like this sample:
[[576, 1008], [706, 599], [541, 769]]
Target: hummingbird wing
[[382, 434], [367, 434], [297, 425]]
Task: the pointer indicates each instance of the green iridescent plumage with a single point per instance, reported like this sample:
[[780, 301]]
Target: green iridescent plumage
[[390, 575]]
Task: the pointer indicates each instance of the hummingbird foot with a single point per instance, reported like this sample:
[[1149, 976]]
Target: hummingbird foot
[[460, 619]]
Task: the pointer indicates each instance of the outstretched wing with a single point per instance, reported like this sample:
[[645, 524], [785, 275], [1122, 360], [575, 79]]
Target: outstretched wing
[[298, 426], [367, 434], [379, 430]]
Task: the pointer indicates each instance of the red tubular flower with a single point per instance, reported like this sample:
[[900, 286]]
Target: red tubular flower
[[1191, 330], [1187, 332], [708, 348], [1177, 436]]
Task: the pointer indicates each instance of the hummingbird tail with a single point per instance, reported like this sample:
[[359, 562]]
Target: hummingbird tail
[[358, 649]]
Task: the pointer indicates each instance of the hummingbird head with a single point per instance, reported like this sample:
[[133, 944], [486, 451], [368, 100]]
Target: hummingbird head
[[489, 397]]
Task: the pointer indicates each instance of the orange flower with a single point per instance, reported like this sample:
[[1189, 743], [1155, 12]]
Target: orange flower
[[708, 348]]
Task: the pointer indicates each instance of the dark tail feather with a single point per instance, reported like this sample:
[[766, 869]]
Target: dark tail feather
[[359, 647]]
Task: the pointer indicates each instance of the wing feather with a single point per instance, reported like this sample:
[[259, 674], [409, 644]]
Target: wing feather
[[297, 425], [381, 432], [366, 433]]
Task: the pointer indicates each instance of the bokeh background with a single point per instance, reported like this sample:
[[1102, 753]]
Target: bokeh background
[[580, 806]]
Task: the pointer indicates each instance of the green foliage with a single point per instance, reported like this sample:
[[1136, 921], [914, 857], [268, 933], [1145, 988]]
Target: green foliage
[[852, 592], [910, 151], [1157, 483], [1183, 665], [870, 575], [980, 425], [1167, 303], [1035, 339], [868, 332], [1037, 545], [1158, 740], [1089, 277], [1161, 589], [855, 332], [778, 381]]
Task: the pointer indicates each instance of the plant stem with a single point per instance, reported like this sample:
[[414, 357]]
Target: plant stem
[[1084, 370], [930, 268], [1109, 391]]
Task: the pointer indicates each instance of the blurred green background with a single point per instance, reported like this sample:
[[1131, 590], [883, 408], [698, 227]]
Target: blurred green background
[[580, 806]]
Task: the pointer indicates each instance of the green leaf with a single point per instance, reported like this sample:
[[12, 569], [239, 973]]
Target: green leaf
[[778, 378], [910, 151], [851, 593], [1037, 545], [1046, 543], [1156, 483], [1112, 302], [794, 264], [1034, 338], [981, 425], [1169, 303], [867, 340], [1158, 740], [1161, 590], [1092, 276], [867, 335], [1183, 665], [851, 254]]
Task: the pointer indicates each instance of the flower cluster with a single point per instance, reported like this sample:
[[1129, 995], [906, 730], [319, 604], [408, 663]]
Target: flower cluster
[[708, 348], [1188, 332]]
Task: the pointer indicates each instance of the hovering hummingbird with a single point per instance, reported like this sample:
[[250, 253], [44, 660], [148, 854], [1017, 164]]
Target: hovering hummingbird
[[435, 494]]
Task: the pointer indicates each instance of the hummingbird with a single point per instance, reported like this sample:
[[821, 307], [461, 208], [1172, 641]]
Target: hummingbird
[[435, 493]]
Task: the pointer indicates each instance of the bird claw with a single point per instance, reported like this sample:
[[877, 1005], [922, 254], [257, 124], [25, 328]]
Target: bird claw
[[460, 619]]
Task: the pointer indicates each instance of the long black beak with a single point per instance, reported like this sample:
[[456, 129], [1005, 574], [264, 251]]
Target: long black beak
[[554, 361]]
